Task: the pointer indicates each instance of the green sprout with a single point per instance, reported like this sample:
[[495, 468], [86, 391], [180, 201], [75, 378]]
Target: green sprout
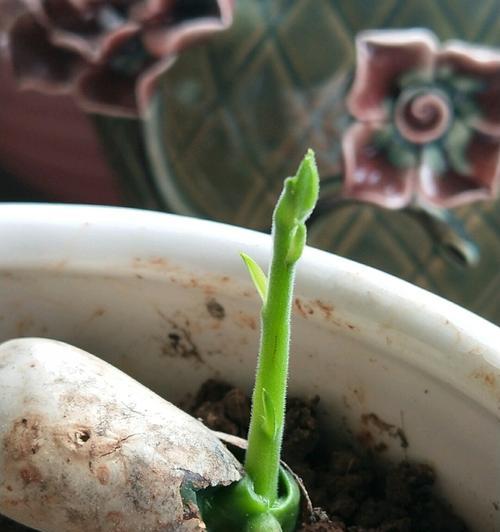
[[267, 498]]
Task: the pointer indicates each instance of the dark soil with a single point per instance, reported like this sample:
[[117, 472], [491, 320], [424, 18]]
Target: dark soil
[[352, 491]]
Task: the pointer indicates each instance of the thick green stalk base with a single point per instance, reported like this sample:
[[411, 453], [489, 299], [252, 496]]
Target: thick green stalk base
[[238, 507]]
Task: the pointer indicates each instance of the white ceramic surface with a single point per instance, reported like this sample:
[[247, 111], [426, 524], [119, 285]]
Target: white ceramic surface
[[167, 299]]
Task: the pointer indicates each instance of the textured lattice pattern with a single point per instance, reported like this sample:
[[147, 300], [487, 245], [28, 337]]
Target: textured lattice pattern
[[237, 114]]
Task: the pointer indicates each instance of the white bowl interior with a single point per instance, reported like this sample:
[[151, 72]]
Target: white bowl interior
[[167, 300]]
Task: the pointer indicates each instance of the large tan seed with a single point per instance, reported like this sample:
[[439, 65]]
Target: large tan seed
[[84, 447]]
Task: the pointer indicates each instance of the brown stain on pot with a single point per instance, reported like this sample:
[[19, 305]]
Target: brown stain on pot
[[28, 326], [373, 422], [154, 262], [24, 325], [303, 308], [158, 261], [359, 394], [180, 344], [489, 381], [98, 312], [60, 265], [209, 284], [178, 341], [366, 438], [486, 377], [326, 309]]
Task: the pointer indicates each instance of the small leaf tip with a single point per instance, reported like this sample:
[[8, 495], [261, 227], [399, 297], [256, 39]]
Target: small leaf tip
[[256, 274]]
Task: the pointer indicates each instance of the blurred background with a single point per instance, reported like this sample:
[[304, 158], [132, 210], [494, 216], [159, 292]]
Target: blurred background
[[203, 107]]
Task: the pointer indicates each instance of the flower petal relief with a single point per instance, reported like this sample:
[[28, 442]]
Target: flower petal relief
[[108, 53], [427, 121]]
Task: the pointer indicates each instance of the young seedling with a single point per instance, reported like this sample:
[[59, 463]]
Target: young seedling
[[110, 454], [267, 498]]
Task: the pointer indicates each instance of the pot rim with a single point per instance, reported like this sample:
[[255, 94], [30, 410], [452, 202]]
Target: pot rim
[[463, 348]]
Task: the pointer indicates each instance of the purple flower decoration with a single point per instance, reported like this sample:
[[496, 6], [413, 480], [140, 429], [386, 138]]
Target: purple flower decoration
[[108, 53], [428, 121]]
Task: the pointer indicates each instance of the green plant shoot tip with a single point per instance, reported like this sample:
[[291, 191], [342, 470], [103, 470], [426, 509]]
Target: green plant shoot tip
[[268, 489], [299, 196]]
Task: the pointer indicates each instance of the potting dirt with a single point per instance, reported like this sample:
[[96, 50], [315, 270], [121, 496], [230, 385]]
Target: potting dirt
[[351, 489]]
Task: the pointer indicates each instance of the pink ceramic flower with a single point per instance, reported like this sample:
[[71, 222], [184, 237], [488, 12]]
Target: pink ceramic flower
[[428, 121], [108, 53]]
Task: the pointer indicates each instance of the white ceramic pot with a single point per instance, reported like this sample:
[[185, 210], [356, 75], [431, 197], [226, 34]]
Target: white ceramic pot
[[168, 300]]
